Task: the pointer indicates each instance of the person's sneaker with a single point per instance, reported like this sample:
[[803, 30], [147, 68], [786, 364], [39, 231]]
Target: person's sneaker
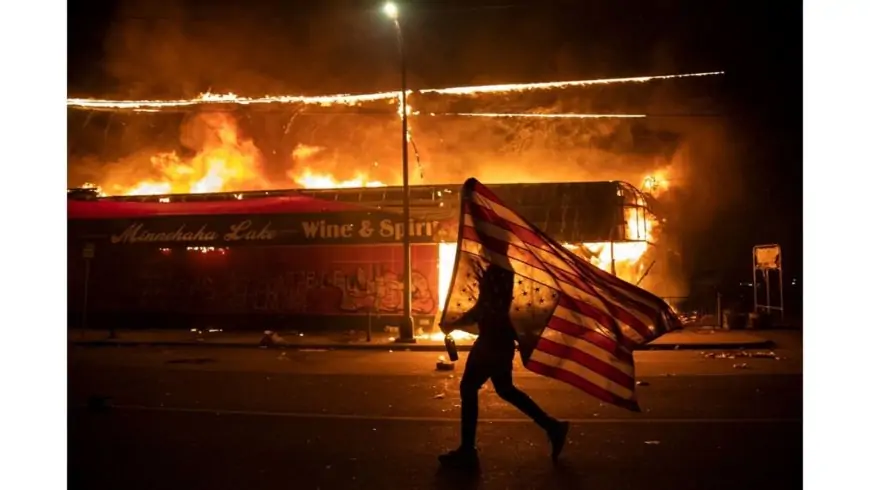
[[558, 434], [460, 458]]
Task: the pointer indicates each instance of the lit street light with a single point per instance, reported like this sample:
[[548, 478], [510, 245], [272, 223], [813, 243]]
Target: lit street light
[[406, 328], [391, 11]]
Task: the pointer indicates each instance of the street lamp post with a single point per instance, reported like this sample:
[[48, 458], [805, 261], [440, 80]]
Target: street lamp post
[[406, 328]]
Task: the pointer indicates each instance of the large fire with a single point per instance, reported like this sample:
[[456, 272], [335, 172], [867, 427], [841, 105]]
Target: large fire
[[225, 162]]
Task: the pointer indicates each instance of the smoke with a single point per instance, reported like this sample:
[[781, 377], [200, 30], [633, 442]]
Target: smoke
[[178, 49]]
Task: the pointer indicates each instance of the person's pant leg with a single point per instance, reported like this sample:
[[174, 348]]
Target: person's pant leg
[[502, 381], [475, 375]]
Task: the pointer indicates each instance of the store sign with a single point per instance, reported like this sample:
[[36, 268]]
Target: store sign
[[369, 230], [243, 230], [343, 228], [767, 257]]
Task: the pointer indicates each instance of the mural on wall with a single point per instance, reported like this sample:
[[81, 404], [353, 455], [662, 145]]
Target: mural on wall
[[380, 291], [318, 280]]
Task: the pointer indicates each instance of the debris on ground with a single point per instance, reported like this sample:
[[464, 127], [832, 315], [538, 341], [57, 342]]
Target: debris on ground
[[734, 355], [651, 443], [439, 396], [271, 338], [641, 383], [742, 365], [283, 356], [444, 365]]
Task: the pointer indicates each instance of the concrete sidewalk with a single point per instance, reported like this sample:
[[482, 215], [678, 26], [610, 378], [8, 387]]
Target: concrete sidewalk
[[689, 339]]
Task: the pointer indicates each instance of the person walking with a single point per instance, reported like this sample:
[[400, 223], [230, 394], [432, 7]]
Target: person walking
[[491, 358]]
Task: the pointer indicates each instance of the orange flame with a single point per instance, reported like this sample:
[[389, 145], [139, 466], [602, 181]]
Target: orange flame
[[311, 180], [224, 162]]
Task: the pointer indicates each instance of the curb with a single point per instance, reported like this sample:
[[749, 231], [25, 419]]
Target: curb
[[237, 345], [758, 344], [762, 344]]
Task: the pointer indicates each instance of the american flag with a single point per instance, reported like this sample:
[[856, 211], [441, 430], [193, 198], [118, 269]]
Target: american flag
[[574, 322]]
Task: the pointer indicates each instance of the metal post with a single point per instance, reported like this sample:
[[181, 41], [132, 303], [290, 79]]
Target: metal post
[[612, 260], [781, 297], [85, 299], [767, 288], [754, 284], [617, 219], [406, 328], [719, 309]]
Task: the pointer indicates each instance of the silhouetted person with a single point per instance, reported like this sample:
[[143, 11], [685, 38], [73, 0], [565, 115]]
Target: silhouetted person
[[491, 357]]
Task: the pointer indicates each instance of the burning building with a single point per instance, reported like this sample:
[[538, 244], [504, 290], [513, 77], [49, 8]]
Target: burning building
[[321, 258]]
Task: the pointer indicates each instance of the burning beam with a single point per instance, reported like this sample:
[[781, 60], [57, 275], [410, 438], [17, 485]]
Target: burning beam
[[524, 87], [538, 116], [231, 98], [352, 100]]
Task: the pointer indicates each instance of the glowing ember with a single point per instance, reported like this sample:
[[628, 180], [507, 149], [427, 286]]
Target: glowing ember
[[206, 250], [656, 183]]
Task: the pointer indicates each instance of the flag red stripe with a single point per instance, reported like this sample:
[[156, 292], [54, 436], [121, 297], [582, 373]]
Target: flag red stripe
[[596, 338], [583, 384], [603, 368]]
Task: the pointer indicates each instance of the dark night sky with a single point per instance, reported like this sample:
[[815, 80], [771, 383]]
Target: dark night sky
[[161, 49]]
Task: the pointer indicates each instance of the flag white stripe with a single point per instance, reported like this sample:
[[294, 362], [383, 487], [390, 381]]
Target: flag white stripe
[[588, 348]]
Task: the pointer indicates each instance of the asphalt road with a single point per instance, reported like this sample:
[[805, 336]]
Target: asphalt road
[[244, 419]]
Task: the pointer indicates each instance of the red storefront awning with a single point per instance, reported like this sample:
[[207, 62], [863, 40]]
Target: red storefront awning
[[107, 209]]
